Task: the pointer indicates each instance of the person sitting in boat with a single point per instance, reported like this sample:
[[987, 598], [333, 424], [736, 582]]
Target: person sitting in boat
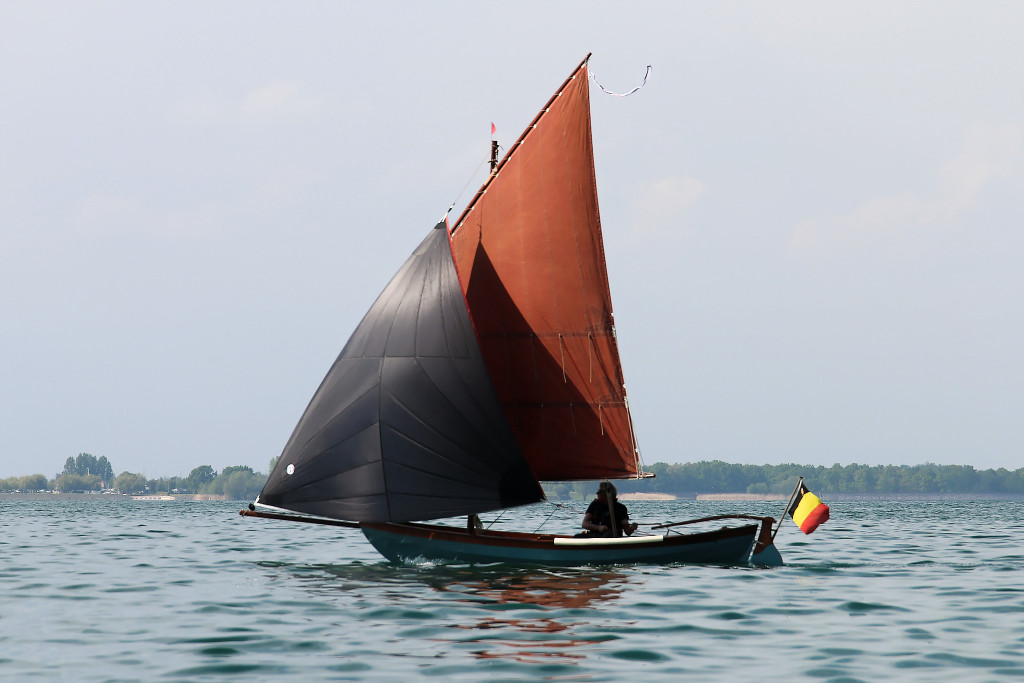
[[598, 520]]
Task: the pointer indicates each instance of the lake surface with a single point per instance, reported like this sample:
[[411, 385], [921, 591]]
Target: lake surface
[[109, 589]]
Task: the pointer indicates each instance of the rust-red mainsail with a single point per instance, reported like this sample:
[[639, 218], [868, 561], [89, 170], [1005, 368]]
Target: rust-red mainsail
[[531, 262]]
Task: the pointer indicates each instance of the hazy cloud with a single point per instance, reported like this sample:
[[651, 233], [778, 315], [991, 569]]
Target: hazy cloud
[[272, 102], [661, 206], [111, 214], [281, 99], [103, 214], [989, 152]]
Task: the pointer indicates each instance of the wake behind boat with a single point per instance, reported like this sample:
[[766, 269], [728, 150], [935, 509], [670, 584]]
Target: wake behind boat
[[487, 365]]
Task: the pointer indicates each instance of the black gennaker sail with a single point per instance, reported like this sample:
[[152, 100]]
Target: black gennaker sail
[[406, 425]]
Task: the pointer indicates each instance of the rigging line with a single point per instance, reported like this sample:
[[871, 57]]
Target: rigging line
[[570, 508], [623, 94], [475, 171], [637, 457], [555, 507], [495, 520], [546, 520]]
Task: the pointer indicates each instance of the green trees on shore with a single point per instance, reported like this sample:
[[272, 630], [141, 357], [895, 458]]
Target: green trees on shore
[[240, 482], [200, 477], [33, 482], [89, 473], [715, 476], [129, 482], [237, 482], [84, 473]]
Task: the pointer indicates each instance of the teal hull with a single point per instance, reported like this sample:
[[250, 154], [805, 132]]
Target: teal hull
[[768, 556], [402, 543]]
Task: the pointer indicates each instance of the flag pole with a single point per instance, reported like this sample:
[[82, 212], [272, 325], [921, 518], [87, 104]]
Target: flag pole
[[494, 148], [799, 483]]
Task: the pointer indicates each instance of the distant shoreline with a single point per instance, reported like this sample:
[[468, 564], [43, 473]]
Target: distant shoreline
[[647, 496], [824, 495], [828, 497], [110, 496], [654, 497], [741, 496]]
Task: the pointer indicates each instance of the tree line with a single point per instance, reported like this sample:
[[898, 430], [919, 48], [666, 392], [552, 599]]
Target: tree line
[[687, 480], [240, 482], [715, 476], [89, 473]]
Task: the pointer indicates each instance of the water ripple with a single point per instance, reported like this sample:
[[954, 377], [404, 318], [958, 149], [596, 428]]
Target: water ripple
[[103, 591]]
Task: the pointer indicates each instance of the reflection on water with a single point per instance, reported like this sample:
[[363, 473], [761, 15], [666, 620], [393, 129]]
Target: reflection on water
[[546, 589], [575, 590], [526, 615]]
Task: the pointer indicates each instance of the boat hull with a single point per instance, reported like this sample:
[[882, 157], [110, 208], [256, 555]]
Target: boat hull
[[402, 543]]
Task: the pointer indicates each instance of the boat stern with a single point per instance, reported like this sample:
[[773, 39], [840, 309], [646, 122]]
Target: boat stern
[[765, 553]]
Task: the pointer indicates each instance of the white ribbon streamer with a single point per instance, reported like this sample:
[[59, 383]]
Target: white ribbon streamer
[[624, 94]]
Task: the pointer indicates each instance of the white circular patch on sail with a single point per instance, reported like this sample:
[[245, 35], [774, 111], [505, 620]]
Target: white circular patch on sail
[[290, 469]]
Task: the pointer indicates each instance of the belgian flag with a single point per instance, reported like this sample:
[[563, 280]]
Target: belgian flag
[[807, 510]]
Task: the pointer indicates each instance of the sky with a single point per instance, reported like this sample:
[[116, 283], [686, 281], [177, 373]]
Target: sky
[[812, 214]]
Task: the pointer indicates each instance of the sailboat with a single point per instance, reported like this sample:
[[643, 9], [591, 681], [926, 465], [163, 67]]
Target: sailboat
[[487, 365]]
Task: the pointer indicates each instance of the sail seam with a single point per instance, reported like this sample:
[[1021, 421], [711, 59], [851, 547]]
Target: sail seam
[[435, 452], [334, 417], [337, 473]]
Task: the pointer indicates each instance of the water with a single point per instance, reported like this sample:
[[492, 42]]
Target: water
[[111, 589]]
